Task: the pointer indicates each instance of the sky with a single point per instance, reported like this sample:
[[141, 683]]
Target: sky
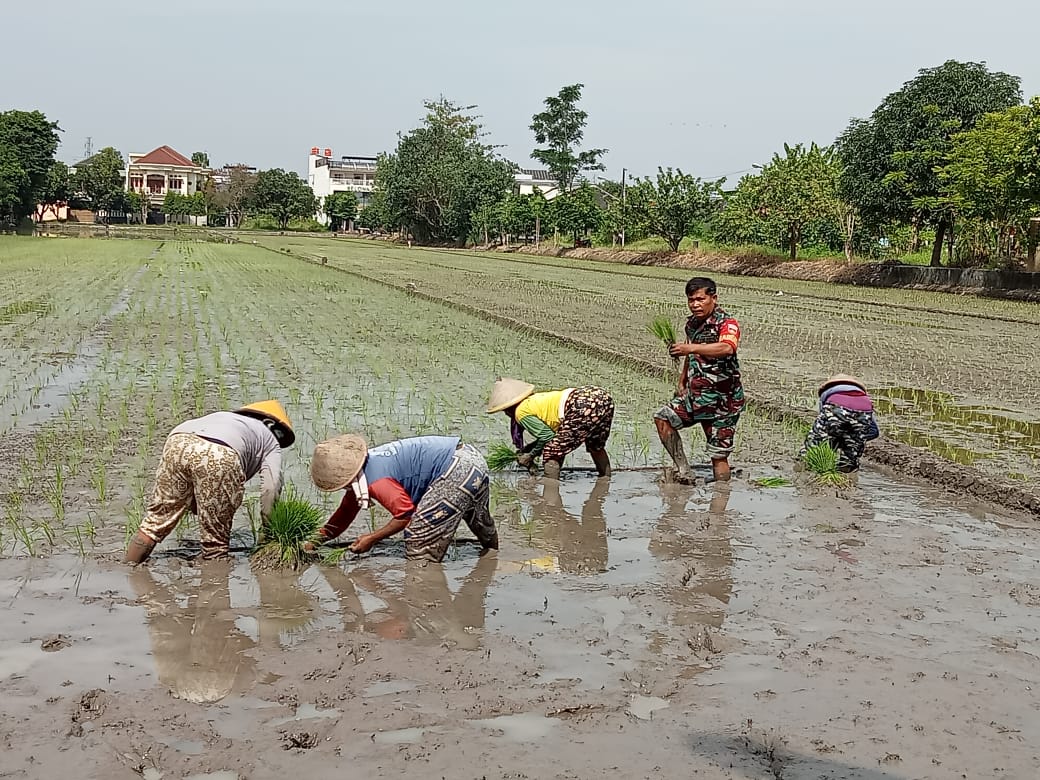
[[711, 88]]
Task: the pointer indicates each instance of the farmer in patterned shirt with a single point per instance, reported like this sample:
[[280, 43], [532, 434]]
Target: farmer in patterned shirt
[[710, 391], [846, 420]]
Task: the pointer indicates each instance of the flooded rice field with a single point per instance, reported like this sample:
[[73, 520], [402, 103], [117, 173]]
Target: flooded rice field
[[626, 628]]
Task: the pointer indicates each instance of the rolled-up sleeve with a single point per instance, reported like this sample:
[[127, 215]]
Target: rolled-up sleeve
[[270, 481]]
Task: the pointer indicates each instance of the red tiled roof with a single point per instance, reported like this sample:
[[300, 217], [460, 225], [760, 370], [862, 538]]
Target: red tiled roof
[[164, 155]]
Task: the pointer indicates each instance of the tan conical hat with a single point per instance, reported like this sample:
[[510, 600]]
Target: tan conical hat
[[842, 379], [337, 461], [508, 392]]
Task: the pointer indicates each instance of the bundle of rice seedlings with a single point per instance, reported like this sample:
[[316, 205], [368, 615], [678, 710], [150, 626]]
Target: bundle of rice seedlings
[[772, 482], [500, 456], [293, 521], [661, 326], [822, 461]]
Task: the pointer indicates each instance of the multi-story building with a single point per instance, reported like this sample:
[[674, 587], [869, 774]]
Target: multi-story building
[[164, 170], [350, 173]]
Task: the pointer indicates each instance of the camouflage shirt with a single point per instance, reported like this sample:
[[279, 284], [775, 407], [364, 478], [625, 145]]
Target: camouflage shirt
[[714, 382]]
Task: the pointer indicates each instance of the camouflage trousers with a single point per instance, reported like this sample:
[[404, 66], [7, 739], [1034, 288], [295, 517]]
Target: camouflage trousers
[[717, 413], [200, 476], [462, 492], [846, 430]]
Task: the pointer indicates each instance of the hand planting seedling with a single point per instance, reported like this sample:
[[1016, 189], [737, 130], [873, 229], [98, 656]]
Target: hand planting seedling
[[292, 523], [501, 456]]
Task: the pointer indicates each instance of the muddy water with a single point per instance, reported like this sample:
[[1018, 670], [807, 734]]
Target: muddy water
[[625, 627]]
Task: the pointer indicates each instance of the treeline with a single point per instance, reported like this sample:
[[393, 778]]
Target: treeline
[[949, 162]]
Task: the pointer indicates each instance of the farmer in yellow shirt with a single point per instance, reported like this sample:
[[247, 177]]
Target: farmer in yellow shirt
[[558, 420]]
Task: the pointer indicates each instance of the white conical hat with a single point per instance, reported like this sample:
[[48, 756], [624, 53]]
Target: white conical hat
[[842, 379], [508, 392]]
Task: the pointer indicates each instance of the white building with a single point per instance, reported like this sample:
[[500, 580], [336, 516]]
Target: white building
[[326, 175], [528, 178]]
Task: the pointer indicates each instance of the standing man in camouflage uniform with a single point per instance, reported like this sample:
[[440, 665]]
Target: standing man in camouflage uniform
[[710, 391]]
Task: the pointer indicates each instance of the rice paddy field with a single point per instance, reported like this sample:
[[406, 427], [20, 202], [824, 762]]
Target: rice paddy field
[[764, 628]]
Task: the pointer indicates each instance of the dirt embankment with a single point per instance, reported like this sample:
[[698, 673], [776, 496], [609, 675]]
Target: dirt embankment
[[995, 284]]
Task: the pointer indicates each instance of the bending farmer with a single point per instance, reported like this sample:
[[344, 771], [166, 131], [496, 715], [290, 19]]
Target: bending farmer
[[710, 391], [204, 468], [560, 421], [846, 420], [427, 484]]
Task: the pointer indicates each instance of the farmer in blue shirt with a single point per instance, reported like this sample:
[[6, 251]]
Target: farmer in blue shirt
[[427, 483]]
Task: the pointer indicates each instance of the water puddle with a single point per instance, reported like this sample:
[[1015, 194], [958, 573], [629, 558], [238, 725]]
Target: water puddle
[[399, 736], [187, 746], [524, 727], [307, 712], [644, 707], [965, 433]]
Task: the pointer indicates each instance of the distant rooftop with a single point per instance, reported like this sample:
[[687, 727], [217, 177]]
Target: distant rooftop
[[165, 155], [537, 174]]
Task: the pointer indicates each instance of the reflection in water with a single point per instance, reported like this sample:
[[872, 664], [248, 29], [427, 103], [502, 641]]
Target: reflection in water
[[579, 543], [425, 609], [700, 541], [200, 654]]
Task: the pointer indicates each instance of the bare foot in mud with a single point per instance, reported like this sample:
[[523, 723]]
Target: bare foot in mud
[[681, 477]]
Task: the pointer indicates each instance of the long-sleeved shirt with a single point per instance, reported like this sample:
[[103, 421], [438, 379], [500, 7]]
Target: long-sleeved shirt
[[256, 446], [540, 414], [849, 396], [398, 476]]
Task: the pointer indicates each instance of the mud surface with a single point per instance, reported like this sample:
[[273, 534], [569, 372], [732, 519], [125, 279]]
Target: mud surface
[[625, 629]]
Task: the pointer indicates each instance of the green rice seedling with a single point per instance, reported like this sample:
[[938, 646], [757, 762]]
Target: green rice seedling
[[501, 456], [822, 462], [292, 522], [661, 327], [772, 482]]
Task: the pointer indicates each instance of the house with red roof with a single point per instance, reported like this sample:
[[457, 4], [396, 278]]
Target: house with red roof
[[164, 170]]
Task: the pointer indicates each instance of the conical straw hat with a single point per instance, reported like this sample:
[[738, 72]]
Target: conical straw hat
[[271, 410], [842, 379], [508, 392], [337, 461]]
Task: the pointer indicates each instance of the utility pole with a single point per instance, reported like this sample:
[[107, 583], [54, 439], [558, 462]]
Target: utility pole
[[88, 148], [624, 172]]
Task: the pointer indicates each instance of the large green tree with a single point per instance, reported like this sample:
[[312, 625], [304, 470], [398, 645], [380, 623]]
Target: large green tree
[[100, 181], [340, 208], [440, 174], [55, 190], [576, 212], [891, 159], [283, 196], [986, 173], [201, 159], [559, 131], [28, 141], [671, 205]]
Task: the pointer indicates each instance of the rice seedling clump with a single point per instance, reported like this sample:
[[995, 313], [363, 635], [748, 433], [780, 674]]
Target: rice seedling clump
[[500, 456], [822, 462], [293, 522]]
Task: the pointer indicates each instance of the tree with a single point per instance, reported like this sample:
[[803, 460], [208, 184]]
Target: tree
[[560, 129], [673, 205], [137, 204], [890, 160], [100, 181], [794, 194], [284, 196], [234, 198], [375, 216], [517, 213], [201, 159], [28, 141], [575, 212], [985, 175], [440, 174], [55, 190], [340, 208]]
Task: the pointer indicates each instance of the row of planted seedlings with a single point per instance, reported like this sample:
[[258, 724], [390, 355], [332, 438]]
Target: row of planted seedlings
[[56, 306], [922, 302], [788, 346], [87, 476]]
